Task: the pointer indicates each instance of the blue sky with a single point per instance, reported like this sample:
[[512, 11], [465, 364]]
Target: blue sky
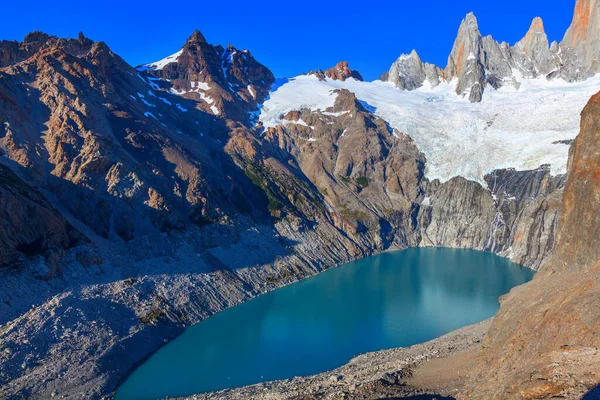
[[288, 37]]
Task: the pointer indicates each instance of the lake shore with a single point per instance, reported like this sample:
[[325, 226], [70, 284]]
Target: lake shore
[[435, 368]]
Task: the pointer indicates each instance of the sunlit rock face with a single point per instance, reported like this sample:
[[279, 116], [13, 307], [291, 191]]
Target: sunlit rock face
[[544, 341]]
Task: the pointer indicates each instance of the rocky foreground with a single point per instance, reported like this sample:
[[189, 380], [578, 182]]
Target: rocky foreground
[[435, 369]]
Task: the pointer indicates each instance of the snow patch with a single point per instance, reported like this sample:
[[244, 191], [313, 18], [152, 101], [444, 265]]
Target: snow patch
[[252, 92], [159, 65]]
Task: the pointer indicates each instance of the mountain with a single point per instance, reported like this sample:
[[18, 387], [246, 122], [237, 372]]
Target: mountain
[[139, 201], [544, 341], [478, 63], [228, 81]]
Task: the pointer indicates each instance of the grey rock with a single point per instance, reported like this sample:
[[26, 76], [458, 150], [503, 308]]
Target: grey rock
[[580, 48], [466, 59], [532, 54], [388, 378], [477, 62], [408, 72]]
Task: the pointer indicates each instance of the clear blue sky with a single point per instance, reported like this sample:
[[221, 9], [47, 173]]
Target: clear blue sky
[[288, 37]]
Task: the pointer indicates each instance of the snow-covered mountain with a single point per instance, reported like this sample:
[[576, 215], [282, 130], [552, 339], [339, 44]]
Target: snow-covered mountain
[[526, 117], [512, 128]]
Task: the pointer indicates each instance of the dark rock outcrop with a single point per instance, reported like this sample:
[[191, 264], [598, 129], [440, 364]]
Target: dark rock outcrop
[[31, 226]]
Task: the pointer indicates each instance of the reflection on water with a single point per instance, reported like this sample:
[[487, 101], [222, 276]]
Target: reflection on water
[[391, 300]]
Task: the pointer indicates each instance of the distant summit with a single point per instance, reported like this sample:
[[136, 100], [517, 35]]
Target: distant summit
[[219, 77], [340, 72], [477, 62]]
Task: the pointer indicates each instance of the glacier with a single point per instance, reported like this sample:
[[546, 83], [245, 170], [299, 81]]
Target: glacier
[[520, 126]]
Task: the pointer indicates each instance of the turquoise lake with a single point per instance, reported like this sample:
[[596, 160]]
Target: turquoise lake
[[391, 300]]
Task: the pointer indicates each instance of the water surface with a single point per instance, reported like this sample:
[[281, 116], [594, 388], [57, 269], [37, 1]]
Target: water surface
[[390, 300]]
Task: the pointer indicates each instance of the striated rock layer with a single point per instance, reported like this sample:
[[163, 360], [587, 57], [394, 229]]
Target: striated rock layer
[[544, 341]]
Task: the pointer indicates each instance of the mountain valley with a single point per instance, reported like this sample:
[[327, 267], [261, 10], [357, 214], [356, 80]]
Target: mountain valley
[[138, 201]]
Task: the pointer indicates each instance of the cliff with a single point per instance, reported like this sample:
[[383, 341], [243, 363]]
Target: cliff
[[544, 341]]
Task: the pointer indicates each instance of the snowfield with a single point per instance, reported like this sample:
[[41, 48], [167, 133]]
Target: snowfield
[[511, 128], [159, 65]]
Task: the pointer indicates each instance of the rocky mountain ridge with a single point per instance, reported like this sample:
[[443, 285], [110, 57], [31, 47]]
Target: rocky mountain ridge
[[478, 62]]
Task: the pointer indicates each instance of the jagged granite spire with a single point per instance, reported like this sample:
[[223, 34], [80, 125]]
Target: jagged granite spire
[[532, 54], [580, 47], [409, 72], [466, 60], [478, 62]]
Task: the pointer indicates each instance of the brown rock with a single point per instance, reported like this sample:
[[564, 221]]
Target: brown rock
[[544, 340], [340, 72]]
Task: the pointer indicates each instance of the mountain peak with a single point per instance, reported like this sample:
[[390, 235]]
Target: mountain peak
[[414, 54], [470, 21], [535, 33], [36, 36], [342, 71], [196, 37], [581, 43], [467, 48], [537, 25]]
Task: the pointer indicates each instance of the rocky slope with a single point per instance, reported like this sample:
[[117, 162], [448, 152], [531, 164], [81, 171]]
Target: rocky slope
[[31, 226], [375, 178], [478, 62], [559, 308]]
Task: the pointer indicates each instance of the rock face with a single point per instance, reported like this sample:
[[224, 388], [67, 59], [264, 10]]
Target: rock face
[[31, 226], [533, 53], [229, 81], [340, 72], [580, 48], [466, 60], [478, 62], [408, 72], [374, 179], [120, 154], [544, 341]]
